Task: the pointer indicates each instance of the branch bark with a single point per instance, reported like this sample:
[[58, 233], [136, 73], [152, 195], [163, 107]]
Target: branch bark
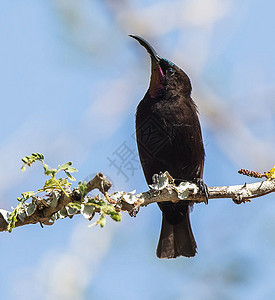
[[44, 212], [238, 193]]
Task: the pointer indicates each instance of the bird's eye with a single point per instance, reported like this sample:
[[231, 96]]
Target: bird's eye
[[170, 71]]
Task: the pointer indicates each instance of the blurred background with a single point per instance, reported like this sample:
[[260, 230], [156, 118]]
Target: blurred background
[[71, 79]]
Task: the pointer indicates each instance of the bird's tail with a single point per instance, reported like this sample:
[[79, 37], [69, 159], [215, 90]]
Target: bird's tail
[[176, 238]]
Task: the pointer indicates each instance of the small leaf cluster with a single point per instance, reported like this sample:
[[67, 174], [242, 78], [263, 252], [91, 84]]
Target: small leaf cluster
[[49, 194], [22, 209], [93, 205], [12, 218], [29, 160], [88, 206], [51, 190], [67, 168]]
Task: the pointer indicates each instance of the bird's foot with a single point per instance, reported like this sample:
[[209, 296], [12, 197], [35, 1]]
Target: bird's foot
[[203, 188]]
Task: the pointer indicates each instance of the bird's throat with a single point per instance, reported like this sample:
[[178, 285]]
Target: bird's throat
[[157, 79]]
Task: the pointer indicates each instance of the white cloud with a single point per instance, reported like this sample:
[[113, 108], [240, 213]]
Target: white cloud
[[203, 13]]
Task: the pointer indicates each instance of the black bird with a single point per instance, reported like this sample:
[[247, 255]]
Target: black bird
[[169, 139]]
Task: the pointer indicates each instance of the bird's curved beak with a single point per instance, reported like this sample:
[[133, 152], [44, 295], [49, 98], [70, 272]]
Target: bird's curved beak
[[147, 46], [157, 76]]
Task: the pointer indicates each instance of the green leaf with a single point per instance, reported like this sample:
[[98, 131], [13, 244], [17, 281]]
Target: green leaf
[[12, 219], [63, 181], [50, 183], [37, 156], [70, 176], [68, 169], [58, 184], [25, 160], [102, 221], [53, 172], [27, 195], [65, 166], [71, 169], [47, 169], [28, 160], [116, 216], [82, 186]]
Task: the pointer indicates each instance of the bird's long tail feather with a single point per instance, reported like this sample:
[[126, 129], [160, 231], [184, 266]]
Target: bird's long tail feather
[[176, 239]]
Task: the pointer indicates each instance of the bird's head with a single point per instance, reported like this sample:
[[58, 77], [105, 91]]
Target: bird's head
[[165, 75]]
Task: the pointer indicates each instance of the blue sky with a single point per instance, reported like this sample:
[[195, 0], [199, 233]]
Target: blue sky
[[70, 83]]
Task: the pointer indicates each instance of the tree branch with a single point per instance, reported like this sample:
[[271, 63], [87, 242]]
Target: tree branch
[[238, 193], [45, 210], [58, 201]]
